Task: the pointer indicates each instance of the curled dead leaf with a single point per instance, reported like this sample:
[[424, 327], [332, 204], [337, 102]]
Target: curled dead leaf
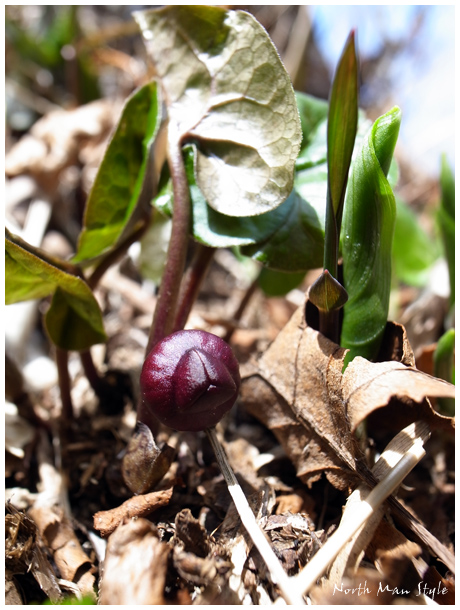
[[298, 391]]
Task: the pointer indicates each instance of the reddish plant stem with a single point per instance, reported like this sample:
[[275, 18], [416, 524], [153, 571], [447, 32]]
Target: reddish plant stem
[[165, 311], [191, 284], [242, 306], [91, 372], [62, 361], [113, 256]]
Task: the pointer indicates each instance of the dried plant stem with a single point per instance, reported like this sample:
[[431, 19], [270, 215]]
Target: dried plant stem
[[249, 521], [318, 565]]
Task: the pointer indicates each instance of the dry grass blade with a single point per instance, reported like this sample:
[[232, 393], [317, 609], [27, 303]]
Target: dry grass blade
[[362, 512], [248, 519]]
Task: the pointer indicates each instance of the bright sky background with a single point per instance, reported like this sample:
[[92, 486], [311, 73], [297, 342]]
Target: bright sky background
[[422, 76]]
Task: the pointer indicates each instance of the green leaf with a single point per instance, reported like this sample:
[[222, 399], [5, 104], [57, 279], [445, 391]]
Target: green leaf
[[367, 236], [446, 219], [413, 250], [74, 320], [120, 179], [298, 242], [227, 92], [279, 283], [26, 278], [443, 360], [342, 125], [313, 119], [211, 227], [289, 238]]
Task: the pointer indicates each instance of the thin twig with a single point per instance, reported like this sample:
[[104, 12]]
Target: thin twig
[[91, 372], [277, 573]]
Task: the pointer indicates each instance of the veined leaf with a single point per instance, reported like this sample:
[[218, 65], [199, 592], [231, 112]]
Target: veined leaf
[[121, 175], [289, 238], [227, 91], [367, 236], [298, 242], [213, 228], [74, 320]]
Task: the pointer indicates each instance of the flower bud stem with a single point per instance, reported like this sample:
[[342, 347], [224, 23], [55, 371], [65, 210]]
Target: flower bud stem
[[260, 540], [166, 307], [191, 283]]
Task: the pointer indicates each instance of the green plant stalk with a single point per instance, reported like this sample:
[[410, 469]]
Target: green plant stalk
[[443, 361], [446, 219]]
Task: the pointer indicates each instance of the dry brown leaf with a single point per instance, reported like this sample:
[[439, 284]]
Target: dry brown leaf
[[135, 566], [298, 391], [106, 521], [23, 554], [395, 556], [56, 140]]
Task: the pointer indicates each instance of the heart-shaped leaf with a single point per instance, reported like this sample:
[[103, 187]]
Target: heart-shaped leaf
[[367, 236], [74, 320], [226, 90], [278, 283], [121, 175]]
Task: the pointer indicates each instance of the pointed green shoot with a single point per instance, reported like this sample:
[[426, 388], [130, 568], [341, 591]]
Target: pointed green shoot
[[341, 134]]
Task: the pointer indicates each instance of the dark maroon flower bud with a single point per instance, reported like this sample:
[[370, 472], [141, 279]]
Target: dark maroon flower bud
[[190, 380]]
